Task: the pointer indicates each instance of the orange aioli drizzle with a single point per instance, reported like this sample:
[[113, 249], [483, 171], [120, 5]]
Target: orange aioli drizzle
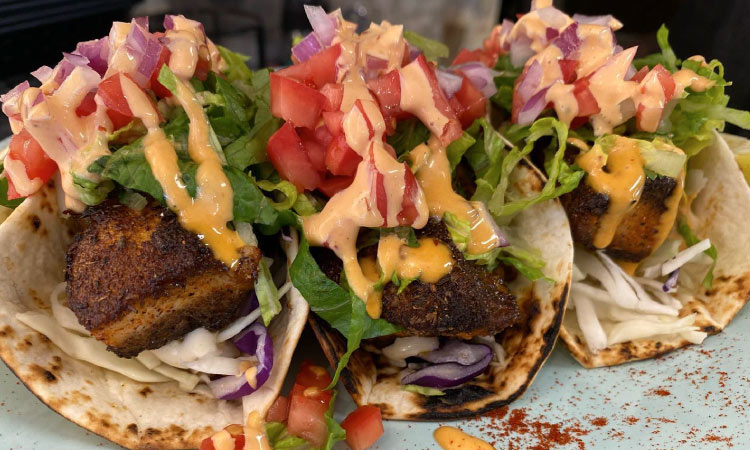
[[451, 438], [432, 170], [208, 213], [255, 433], [622, 182], [429, 262]]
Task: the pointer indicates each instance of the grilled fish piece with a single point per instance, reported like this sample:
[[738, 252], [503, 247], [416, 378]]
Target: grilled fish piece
[[137, 280], [469, 301], [641, 230]]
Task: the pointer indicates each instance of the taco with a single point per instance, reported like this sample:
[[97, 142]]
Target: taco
[[429, 306], [655, 266], [135, 298]]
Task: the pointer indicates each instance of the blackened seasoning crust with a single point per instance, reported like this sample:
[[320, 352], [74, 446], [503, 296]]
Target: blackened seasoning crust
[[636, 235], [470, 301], [137, 280]]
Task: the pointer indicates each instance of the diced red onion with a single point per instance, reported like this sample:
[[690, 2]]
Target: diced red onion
[[414, 52], [169, 22], [455, 351], [255, 341], [671, 284], [552, 16], [450, 83], [533, 108], [480, 76], [551, 33], [322, 24], [97, 52], [69, 62], [42, 74], [520, 51], [10, 99], [593, 20], [447, 375], [617, 49], [568, 41], [530, 82], [506, 28], [142, 21], [307, 47]]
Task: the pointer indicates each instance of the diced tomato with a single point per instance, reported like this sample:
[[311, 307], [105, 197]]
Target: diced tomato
[[666, 80], [157, 87], [235, 431], [24, 148], [333, 185], [316, 151], [294, 102], [279, 410], [381, 197], [340, 158], [387, 90], [87, 106], [118, 110], [480, 55], [316, 71], [363, 426], [640, 75], [587, 104], [452, 130], [409, 213], [334, 93], [333, 120], [306, 414], [568, 68], [310, 375], [323, 135], [289, 158], [201, 68], [469, 103]]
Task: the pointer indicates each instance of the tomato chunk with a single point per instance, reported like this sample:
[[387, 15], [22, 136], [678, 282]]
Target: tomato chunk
[[387, 89], [294, 102], [587, 104], [289, 158], [308, 404], [334, 93], [333, 121], [279, 410], [315, 149], [316, 71], [118, 110], [469, 103], [409, 213], [666, 80], [568, 68], [480, 55], [235, 432], [24, 148], [363, 426], [87, 106], [333, 185], [312, 375], [340, 158], [157, 87]]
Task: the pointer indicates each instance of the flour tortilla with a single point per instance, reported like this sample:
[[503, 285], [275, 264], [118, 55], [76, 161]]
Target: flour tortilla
[[33, 241], [372, 382], [721, 211]]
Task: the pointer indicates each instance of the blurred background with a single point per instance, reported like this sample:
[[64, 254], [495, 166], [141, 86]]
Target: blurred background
[[35, 32]]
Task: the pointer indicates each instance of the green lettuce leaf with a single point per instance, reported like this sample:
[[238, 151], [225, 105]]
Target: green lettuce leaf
[[432, 49], [409, 133], [334, 304], [691, 239], [460, 230], [527, 263], [280, 438], [505, 82], [91, 192], [666, 58], [458, 148], [13, 204], [335, 432], [268, 295], [236, 64]]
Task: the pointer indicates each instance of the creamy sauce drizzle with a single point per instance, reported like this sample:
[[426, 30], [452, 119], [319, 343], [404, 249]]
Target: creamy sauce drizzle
[[255, 433], [429, 262], [208, 213], [432, 170], [622, 182], [451, 438]]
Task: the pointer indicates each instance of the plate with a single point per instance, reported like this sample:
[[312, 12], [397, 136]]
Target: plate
[[697, 397]]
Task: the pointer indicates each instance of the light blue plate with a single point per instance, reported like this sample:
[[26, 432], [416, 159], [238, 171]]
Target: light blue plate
[[697, 398]]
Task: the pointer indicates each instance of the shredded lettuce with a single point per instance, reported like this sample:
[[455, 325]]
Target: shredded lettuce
[[409, 133], [334, 304], [236, 67], [528, 263], [335, 432], [422, 390], [268, 295], [280, 438], [432, 49], [458, 148], [691, 239], [666, 58], [460, 230], [505, 82], [92, 192]]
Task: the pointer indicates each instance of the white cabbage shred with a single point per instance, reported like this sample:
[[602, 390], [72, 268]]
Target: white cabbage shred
[[612, 307]]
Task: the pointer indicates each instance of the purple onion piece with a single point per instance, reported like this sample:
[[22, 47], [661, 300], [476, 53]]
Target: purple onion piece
[[671, 284], [449, 82], [322, 24], [414, 52], [97, 52], [593, 20], [568, 41], [307, 48], [142, 21], [506, 28], [481, 76], [551, 33], [455, 351], [250, 304], [447, 375], [530, 81], [533, 108], [15, 92], [254, 340], [169, 22]]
